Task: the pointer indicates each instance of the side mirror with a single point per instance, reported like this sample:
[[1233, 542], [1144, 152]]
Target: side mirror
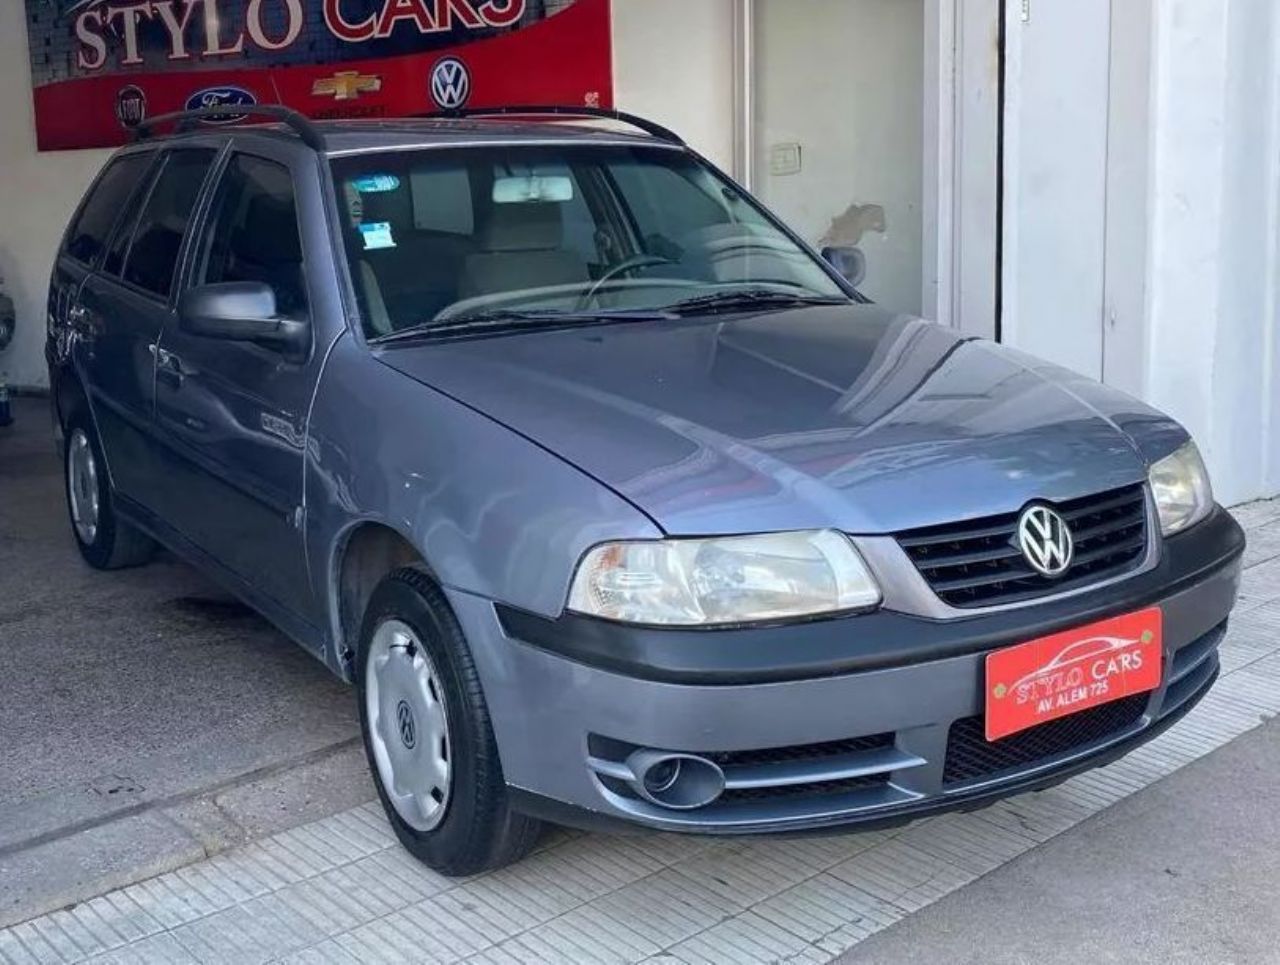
[[849, 261], [242, 311]]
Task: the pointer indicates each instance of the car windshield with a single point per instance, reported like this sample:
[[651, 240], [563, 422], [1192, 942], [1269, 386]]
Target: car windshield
[[504, 236]]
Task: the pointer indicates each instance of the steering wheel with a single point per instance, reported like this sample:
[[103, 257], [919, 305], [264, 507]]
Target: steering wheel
[[633, 263]]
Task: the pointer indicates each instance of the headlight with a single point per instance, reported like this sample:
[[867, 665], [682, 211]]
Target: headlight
[[735, 579], [1180, 484]]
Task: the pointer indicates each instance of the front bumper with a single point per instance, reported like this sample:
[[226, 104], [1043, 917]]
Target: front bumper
[[879, 731]]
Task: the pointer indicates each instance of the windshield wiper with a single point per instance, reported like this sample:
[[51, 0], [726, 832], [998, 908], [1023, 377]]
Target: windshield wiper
[[751, 298], [501, 321]]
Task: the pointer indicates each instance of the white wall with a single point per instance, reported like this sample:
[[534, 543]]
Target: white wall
[[37, 195], [673, 62], [1212, 357], [1142, 240]]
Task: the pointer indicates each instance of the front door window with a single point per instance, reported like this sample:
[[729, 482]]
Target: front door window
[[254, 232]]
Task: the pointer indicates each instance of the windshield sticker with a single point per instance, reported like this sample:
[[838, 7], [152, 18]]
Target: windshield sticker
[[377, 234], [376, 183]]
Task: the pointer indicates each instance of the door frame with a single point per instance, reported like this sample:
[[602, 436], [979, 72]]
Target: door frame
[[963, 64]]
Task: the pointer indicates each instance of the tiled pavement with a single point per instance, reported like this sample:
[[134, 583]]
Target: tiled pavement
[[341, 889]]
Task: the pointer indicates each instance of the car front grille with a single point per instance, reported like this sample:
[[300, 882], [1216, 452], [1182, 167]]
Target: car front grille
[[978, 563], [971, 756]]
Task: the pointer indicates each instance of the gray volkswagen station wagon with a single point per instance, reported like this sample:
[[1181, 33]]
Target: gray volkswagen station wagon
[[616, 502]]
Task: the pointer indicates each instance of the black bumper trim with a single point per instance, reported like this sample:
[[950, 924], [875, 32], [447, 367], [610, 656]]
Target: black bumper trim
[[871, 641]]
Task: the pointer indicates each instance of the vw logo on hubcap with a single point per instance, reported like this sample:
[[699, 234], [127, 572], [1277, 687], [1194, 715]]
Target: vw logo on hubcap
[[1045, 541], [404, 720]]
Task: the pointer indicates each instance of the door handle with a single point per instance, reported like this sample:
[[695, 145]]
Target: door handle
[[79, 321], [168, 366]]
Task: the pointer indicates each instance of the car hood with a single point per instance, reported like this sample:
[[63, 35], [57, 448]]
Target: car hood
[[834, 416]]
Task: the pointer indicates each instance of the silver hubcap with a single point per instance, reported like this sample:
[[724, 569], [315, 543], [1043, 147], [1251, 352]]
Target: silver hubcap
[[408, 726], [82, 484]]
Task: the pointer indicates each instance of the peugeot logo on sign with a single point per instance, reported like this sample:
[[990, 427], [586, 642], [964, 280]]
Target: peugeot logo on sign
[[450, 83], [1045, 540]]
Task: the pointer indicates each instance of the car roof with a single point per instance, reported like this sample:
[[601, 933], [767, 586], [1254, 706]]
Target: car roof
[[350, 136], [343, 137]]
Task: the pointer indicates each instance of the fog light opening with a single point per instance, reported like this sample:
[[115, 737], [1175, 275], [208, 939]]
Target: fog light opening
[[679, 781], [662, 775]]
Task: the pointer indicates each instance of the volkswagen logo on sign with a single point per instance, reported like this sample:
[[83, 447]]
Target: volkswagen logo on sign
[[1045, 541], [229, 96], [450, 83]]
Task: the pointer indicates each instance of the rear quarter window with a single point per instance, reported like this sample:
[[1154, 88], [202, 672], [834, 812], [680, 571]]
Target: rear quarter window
[[107, 199], [153, 252]]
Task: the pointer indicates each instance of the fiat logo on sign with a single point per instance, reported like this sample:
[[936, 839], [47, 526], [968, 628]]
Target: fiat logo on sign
[[450, 83], [228, 96], [131, 106], [1045, 540]]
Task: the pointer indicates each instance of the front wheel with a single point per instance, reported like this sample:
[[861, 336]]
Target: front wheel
[[427, 733]]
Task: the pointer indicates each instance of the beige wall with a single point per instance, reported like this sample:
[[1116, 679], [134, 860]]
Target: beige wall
[[37, 195], [844, 80], [673, 62]]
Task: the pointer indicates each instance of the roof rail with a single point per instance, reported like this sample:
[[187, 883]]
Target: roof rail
[[185, 120], [609, 113]]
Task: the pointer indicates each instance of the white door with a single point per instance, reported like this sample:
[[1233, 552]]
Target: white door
[[1055, 179]]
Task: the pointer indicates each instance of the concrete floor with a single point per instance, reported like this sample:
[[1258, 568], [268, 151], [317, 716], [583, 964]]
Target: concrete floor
[[1185, 871], [147, 717]]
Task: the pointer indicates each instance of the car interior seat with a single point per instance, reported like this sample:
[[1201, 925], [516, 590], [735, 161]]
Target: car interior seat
[[521, 247]]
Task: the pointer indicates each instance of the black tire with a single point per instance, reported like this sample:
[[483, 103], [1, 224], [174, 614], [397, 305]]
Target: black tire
[[479, 831], [115, 544]]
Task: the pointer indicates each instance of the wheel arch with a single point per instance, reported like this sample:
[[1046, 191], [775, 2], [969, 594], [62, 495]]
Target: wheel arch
[[69, 396], [364, 553]]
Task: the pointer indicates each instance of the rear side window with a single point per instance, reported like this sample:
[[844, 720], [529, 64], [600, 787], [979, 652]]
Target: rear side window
[[153, 253], [254, 232], [110, 195], [118, 247]]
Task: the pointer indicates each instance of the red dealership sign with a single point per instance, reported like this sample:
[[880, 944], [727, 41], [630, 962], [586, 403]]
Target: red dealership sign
[[100, 66]]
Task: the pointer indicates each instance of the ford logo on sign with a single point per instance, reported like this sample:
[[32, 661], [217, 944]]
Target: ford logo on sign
[[221, 97]]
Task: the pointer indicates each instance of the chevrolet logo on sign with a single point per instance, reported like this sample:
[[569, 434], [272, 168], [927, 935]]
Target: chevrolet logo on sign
[[347, 85]]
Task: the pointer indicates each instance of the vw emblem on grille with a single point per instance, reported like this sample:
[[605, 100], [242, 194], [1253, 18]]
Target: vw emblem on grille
[[1045, 540], [450, 83], [408, 730]]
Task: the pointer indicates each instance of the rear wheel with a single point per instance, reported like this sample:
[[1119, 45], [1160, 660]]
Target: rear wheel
[[427, 733], [106, 542]]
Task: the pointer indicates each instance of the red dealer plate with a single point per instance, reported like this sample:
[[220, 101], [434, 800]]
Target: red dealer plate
[[1068, 672]]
